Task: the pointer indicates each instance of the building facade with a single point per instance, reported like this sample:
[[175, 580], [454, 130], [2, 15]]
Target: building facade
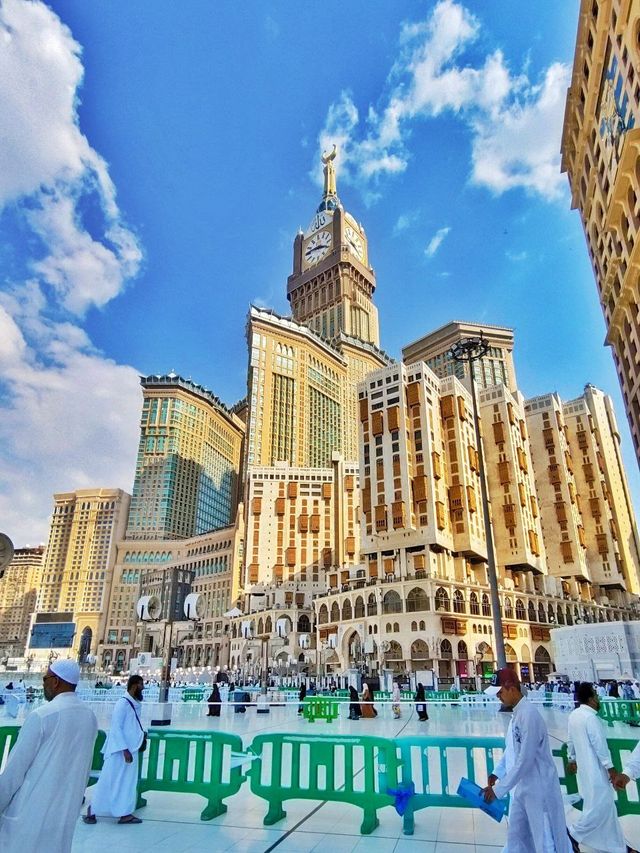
[[601, 156], [18, 593], [187, 478], [495, 368], [77, 572]]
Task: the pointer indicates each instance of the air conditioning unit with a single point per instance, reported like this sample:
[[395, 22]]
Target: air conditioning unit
[[149, 608]]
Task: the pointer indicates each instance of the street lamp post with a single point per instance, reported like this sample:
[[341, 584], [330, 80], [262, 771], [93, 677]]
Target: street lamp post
[[468, 350]]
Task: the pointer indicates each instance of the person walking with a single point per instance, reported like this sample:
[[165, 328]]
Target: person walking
[[354, 704], [598, 825], [115, 794], [527, 771], [214, 701], [396, 707], [302, 695], [421, 704], [366, 703], [46, 774]]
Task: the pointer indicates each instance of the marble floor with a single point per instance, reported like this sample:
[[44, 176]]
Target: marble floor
[[171, 822]]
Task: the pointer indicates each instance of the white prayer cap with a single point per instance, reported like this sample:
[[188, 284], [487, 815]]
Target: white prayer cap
[[67, 670]]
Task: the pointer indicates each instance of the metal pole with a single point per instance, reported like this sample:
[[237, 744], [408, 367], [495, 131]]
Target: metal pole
[[470, 350]]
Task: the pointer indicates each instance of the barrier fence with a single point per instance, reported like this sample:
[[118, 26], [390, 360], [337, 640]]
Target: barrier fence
[[411, 773]]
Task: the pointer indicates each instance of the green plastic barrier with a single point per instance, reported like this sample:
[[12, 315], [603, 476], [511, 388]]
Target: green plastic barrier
[[442, 695], [431, 763], [351, 770], [620, 748], [193, 695], [9, 735], [191, 763], [619, 711], [548, 700], [320, 708]]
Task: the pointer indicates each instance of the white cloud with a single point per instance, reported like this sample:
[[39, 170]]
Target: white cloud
[[405, 221], [436, 241], [516, 257], [515, 123], [68, 415]]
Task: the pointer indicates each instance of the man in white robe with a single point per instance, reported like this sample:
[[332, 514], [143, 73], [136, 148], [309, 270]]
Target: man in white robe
[[598, 825], [46, 774], [536, 814], [115, 793]]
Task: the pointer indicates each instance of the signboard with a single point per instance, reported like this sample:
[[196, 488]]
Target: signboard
[[52, 635]]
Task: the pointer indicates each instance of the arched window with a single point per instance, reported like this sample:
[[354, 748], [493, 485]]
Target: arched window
[[414, 626], [551, 614], [561, 616], [419, 650], [388, 628], [323, 615], [508, 608], [394, 652], [391, 603], [521, 613], [445, 650], [396, 628], [260, 626], [442, 599], [335, 612], [458, 602], [463, 654], [474, 605], [268, 625], [510, 654], [372, 605], [417, 600], [358, 611], [421, 625], [542, 616], [532, 612], [486, 607], [304, 625], [542, 655], [346, 610]]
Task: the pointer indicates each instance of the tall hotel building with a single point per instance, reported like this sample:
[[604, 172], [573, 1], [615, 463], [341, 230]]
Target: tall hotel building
[[18, 593], [188, 467], [77, 573], [601, 156]]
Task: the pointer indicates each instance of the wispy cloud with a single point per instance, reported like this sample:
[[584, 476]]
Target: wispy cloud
[[514, 122], [405, 221], [436, 241], [68, 414], [516, 257]]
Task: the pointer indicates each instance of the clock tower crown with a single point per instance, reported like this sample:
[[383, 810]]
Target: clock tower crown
[[332, 284]]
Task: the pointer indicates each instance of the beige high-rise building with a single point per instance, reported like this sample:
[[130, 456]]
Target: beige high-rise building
[[495, 368], [512, 490], [189, 459], [209, 566], [77, 572], [589, 522], [600, 144], [18, 593]]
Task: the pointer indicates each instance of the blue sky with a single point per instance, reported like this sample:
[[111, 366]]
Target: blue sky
[[162, 156]]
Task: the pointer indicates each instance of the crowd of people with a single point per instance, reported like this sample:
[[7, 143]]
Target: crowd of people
[[48, 767]]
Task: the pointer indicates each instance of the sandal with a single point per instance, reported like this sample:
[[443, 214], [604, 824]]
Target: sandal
[[89, 818], [130, 819]]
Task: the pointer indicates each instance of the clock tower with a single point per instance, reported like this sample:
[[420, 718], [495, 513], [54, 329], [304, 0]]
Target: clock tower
[[332, 284]]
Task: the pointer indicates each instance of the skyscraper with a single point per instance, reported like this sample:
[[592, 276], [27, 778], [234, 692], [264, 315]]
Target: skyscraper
[[600, 156], [188, 465], [76, 576], [18, 593]]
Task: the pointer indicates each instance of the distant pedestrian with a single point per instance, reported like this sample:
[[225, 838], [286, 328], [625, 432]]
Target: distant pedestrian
[[302, 695], [214, 702], [43, 783], [354, 704], [115, 793], [366, 702], [421, 704], [396, 707], [598, 825]]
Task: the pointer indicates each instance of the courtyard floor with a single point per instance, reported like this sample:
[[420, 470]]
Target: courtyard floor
[[171, 822]]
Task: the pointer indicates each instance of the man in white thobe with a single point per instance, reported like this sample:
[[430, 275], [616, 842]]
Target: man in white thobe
[[43, 783], [598, 825], [115, 794], [536, 814]]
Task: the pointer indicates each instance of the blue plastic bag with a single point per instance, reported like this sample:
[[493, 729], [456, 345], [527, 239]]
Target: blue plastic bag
[[473, 793]]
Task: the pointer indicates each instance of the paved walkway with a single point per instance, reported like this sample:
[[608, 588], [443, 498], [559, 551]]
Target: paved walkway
[[171, 823]]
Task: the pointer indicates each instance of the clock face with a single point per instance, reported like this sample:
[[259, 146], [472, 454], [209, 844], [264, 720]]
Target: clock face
[[354, 241], [317, 247]]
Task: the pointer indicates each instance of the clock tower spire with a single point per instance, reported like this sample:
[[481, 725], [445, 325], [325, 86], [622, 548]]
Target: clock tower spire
[[331, 287]]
